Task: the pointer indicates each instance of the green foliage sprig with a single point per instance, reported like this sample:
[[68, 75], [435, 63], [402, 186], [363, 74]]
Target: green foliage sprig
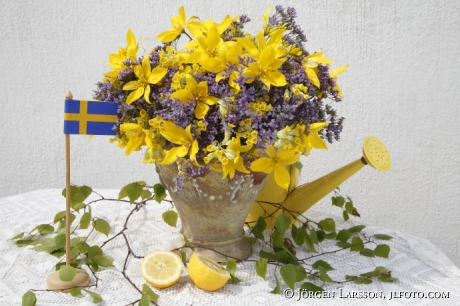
[[278, 246]]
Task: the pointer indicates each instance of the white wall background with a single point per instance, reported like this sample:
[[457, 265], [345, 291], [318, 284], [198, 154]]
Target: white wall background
[[402, 86]]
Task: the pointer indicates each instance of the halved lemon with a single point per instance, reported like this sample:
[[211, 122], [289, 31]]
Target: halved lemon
[[207, 274], [161, 269]]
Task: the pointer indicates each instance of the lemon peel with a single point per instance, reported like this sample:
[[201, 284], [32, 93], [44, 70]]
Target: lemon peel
[[207, 274]]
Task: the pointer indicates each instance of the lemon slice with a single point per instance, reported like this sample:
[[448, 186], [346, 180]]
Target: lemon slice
[[207, 274], [161, 269]]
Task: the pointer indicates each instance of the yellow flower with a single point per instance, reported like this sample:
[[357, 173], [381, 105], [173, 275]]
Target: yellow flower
[[117, 60], [310, 64], [266, 68], [198, 92], [145, 76], [274, 162], [181, 137], [313, 140], [178, 23], [136, 135]]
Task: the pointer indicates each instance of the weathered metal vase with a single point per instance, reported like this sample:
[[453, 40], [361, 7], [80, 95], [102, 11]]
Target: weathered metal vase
[[213, 210]]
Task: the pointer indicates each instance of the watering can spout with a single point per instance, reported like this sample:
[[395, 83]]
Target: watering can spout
[[301, 198]]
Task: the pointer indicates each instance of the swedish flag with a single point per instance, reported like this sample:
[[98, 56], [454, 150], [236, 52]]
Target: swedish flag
[[90, 117]]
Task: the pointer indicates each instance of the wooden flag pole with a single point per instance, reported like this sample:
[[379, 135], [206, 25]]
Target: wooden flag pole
[[81, 278]]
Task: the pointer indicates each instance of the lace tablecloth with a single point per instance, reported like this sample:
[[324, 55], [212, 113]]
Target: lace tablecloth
[[426, 276]]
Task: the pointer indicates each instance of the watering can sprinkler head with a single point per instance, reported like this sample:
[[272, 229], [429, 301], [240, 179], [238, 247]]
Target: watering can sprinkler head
[[376, 154]]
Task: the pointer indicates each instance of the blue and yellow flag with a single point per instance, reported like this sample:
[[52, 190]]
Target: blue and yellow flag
[[90, 117]]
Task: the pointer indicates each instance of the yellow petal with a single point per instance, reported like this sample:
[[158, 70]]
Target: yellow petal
[[271, 151], [130, 38], [172, 154], [167, 36], [135, 95], [263, 164], [317, 142], [338, 70], [194, 150], [133, 144], [282, 177], [132, 85], [147, 94], [312, 76], [287, 157], [174, 133], [317, 126], [157, 74], [201, 110], [183, 95], [130, 127]]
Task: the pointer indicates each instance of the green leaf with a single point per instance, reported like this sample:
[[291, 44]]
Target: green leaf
[[85, 219], [298, 165], [309, 244], [44, 229], [343, 235], [96, 297], [277, 288], [313, 236], [101, 226], [376, 272], [387, 279], [349, 207], [338, 201], [21, 243], [160, 192], [300, 273], [277, 239], [183, 256], [144, 301], [327, 225], [67, 273], [259, 228], [141, 183], [382, 250], [29, 299], [322, 263], [324, 276], [94, 251], [82, 247], [170, 217], [367, 252], [250, 240], [78, 194], [231, 268], [383, 237], [103, 261], [188, 243], [357, 245], [288, 273], [343, 245], [363, 280], [20, 235], [356, 229], [146, 291], [282, 223], [261, 267], [75, 292], [133, 191], [300, 234], [146, 194], [282, 255], [59, 241], [346, 217], [310, 287], [267, 255], [321, 235]]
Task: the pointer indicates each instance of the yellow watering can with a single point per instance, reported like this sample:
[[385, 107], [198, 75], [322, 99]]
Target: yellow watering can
[[274, 200]]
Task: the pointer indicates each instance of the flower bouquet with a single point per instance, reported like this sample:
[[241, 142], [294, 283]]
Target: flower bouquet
[[226, 102]]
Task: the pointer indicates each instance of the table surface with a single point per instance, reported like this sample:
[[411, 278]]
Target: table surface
[[422, 269]]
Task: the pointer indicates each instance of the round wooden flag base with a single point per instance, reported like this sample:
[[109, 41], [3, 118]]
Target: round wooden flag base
[[81, 279]]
